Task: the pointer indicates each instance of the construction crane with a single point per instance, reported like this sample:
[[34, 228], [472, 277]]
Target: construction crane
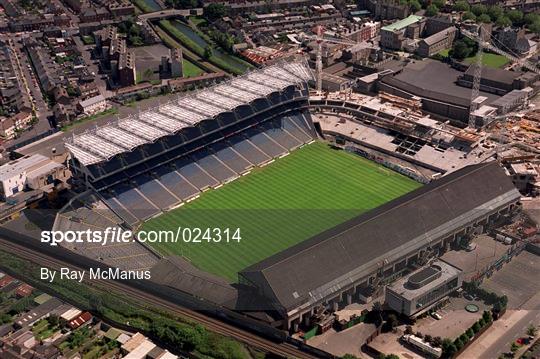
[[480, 38], [319, 38]]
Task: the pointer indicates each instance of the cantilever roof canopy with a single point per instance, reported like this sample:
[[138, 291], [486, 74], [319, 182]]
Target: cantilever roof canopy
[[102, 143], [319, 267]]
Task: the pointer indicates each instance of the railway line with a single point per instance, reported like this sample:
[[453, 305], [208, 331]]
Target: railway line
[[281, 349]]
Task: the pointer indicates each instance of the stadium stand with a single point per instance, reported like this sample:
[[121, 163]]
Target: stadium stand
[[87, 211], [345, 260], [247, 150], [156, 159]]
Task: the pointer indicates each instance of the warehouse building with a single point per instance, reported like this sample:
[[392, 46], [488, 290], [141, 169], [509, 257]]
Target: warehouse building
[[30, 172], [357, 257]]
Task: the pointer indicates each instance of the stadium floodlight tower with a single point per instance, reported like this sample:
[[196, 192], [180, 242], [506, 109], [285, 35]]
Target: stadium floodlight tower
[[320, 39], [482, 38]]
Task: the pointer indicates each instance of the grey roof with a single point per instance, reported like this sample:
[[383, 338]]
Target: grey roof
[[417, 78], [441, 35], [497, 75], [330, 261]]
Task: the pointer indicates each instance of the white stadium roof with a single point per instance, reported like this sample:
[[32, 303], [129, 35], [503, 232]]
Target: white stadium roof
[[102, 143]]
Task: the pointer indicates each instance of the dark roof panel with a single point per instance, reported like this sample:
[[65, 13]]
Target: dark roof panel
[[315, 268]]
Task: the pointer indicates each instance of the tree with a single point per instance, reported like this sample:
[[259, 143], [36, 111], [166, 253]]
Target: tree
[[460, 50], [469, 16], [534, 27], [514, 347], [392, 321], [458, 343], [437, 342], [439, 3], [428, 338], [476, 327], [531, 18], [461, 5], [532, 330], [448, 347], [515, 16], [415, 5], [53, 320], [484, 18], [487, 316], [495, 12], [479, 9], [215, 11], [419, 335], [432, 10], [470, 333], [504, 21], [349, 356], [208, 52], [408, 329]]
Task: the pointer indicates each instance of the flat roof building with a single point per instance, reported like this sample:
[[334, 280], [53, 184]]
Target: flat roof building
[[423, 288], [394, 36], [32, 172]]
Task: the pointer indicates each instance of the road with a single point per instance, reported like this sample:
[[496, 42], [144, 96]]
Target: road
[[31, 91], [282, 349], [165, 14], [513, 325], [92, 66]]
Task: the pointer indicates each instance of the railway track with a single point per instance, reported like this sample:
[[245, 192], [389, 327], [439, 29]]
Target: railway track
[[281, 349]]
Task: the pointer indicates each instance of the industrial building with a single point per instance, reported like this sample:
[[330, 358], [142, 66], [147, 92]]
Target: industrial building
[[352, 260], [419, 291], [30, 172]]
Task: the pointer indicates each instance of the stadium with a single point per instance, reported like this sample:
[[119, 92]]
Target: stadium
[[321, 227]]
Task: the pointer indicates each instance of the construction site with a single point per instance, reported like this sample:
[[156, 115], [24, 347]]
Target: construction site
[[392, 111]]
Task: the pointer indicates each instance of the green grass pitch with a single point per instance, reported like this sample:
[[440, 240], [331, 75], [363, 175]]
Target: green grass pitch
[[312, 189]]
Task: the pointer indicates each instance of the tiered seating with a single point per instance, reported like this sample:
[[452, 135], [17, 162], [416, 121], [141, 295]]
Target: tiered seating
[[197, 177], [276, 133], [245, 148], [155, 192], [117, 208], [132, 200], [301, 121], [288, 125], [214, 167], [204, 163], [176, 184], [264, 143], [231, 158], [91, 213]]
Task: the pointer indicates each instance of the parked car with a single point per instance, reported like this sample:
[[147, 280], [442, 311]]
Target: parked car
[[436, 315]]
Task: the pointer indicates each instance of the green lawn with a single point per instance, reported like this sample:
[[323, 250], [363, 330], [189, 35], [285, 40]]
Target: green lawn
[[444, 53], [284, 203], [490, 60], [190, 69]]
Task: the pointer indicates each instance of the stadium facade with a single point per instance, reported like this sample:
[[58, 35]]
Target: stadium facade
[[344, 263], [150, 162]]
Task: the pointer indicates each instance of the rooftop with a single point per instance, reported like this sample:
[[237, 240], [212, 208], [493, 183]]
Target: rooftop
[[318, 267], [430, 277], [27, 163], [401, 24]]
